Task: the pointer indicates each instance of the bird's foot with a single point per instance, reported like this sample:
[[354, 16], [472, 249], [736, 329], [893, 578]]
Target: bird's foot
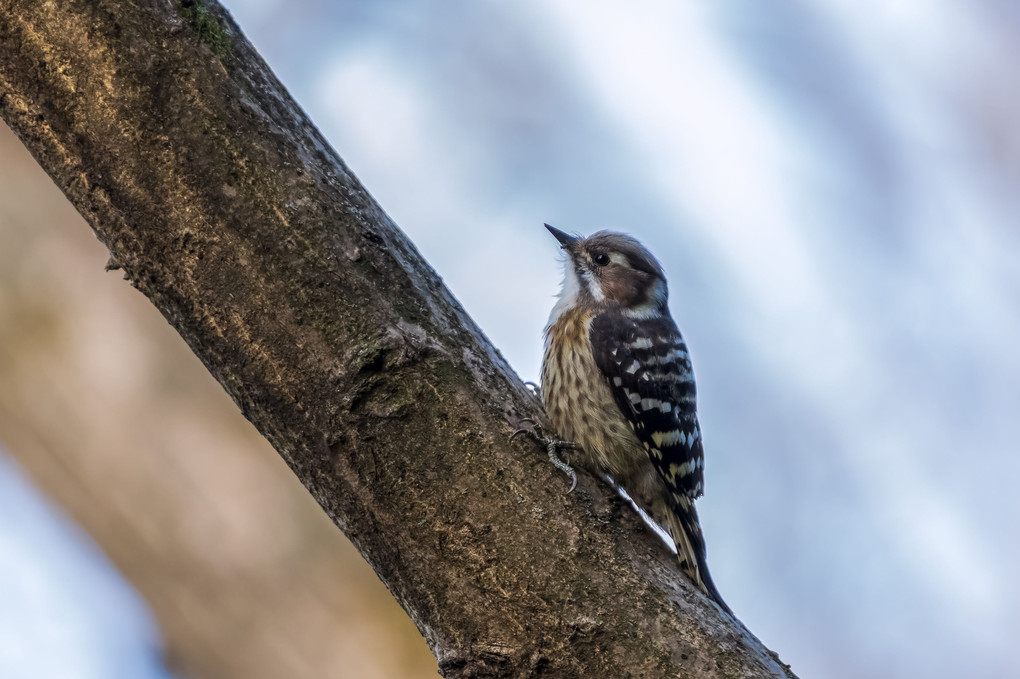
[[535, 390], [552, 447]]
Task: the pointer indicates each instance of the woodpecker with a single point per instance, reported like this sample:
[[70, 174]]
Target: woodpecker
[[619, 390]]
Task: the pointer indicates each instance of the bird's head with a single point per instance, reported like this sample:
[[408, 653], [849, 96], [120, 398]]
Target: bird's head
[[609, 269]]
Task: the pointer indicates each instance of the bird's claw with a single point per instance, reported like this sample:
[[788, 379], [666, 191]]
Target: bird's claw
[[552, 447], [535, 389], [534, 432]]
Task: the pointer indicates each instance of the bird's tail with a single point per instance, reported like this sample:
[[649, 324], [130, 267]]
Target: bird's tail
[[690, 548]]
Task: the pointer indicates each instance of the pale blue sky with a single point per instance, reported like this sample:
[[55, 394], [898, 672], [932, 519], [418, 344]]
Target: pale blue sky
[[67, 613], [832, 190]]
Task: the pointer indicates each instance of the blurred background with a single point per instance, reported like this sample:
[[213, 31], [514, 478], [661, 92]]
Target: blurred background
[[832, 188]]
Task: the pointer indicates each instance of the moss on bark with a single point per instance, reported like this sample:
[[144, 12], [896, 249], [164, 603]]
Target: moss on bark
[[224, 205]]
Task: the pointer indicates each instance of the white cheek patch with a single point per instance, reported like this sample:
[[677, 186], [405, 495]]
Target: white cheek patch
[[593, 286], [656, 301]]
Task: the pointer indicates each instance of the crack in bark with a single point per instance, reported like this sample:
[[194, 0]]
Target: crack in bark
[[224, 205]]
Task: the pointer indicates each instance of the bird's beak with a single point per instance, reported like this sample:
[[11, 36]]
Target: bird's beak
[[565, 239]]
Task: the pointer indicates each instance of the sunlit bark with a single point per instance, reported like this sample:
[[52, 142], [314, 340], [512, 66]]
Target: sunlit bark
[[223, 204]]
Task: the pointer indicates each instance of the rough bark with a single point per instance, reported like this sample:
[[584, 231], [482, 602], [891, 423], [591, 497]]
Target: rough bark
[[102, 403], [223, 205]]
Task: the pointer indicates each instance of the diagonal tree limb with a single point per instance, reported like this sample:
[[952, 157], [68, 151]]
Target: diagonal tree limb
[[224, 205]]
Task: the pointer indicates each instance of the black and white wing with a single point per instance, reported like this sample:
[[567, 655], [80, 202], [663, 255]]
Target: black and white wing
[[648, 369], [646, 364]]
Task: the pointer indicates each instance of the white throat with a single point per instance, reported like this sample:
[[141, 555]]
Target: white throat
[[569, 293]]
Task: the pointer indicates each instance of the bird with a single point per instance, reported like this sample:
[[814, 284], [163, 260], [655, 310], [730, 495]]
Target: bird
[[619, 391]]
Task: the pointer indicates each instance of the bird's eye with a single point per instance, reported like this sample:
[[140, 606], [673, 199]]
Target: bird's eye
[[601, 259]]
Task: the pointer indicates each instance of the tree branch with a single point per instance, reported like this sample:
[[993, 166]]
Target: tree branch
[[223, 204]]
